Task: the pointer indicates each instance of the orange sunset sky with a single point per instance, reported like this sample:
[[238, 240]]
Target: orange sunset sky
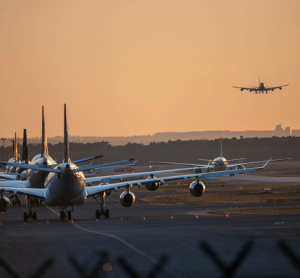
[[140, 67]]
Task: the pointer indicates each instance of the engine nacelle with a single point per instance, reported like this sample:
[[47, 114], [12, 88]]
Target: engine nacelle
[[127, 199], [4, 204], [152, 186], [280, 88], [241, 89], [197, 189], [198, 171], [23, 176], [241, 167]]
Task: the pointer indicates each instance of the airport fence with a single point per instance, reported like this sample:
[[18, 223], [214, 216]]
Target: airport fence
[[99, 263]]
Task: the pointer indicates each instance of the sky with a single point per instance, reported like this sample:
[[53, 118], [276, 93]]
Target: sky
[[139, 67]]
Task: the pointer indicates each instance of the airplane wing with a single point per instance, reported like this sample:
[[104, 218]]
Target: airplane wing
[[86, 159], [107, 179], [29, 166], [183, 164], [255, 162], [7, 176], [278, 87], [34, 192], [245, 88], [19, 184], [93, 190]]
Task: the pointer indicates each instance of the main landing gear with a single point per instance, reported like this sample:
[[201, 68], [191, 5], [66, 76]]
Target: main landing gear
[[16, 200], [103, 212], [63, 215], [30, 214]]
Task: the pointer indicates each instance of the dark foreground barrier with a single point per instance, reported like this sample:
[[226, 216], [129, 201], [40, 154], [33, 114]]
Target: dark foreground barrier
[[98, 263]]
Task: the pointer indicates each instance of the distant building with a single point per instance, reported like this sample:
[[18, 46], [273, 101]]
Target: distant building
[[296, 132]]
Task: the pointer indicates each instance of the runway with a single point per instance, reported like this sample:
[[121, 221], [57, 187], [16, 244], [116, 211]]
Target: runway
[[143, 242], [266, 179]]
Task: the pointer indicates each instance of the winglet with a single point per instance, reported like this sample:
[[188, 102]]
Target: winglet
[[266, 163]]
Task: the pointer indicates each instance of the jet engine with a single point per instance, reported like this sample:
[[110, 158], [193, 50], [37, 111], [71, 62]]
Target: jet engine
[[23, 176], [127, 199], [241, 167], [152, 186], [4, 204], [197, 189], [280, 88], [241, 89]]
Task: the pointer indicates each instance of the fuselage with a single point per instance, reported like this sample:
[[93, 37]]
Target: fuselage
[[261, 87], [66, 188], [35, 178], [220, 164]]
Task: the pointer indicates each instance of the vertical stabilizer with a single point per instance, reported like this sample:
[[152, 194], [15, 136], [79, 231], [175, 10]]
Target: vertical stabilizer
[[18, 150], [44, 136], [25, 155], [66, 137], [221, 154], [15, 147]]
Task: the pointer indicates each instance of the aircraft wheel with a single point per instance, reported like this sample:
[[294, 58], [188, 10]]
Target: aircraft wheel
[[25, 216], [97, 213], [69, 215], [62, 215], [34, 215], [106, 213]]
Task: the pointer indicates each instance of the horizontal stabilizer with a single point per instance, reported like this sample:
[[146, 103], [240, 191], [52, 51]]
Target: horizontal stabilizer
[[86, 159], [99, 166], [29, 166]]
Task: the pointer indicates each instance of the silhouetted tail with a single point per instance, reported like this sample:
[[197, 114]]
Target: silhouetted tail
[[44, 136], [25, 155], [221, 153], [13, 152], [15, 148], [66, 137]]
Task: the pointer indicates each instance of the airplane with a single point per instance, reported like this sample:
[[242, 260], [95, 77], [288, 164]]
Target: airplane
[[34, 178], [261, 88], [219, 164], [66, 186]]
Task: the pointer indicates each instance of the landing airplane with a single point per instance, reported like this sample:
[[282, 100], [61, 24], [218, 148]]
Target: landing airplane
[[261, 88], [219, 163], [66, 186]]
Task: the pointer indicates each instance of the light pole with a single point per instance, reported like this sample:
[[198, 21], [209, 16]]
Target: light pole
[[3, 138]]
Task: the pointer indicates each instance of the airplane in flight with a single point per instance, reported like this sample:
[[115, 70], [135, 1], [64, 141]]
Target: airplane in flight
[[219, 164], [66, 186], [261, 88]]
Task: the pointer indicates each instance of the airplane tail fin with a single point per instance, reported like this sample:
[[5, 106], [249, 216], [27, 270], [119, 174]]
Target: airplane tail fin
[[15, 147], [221, 154], [44, 136], [18, 149], [66, 137], [25, 155]]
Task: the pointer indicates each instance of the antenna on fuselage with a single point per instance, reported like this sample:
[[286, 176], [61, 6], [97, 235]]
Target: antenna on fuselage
[[25, 155], [66, 137], [44, 136]]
